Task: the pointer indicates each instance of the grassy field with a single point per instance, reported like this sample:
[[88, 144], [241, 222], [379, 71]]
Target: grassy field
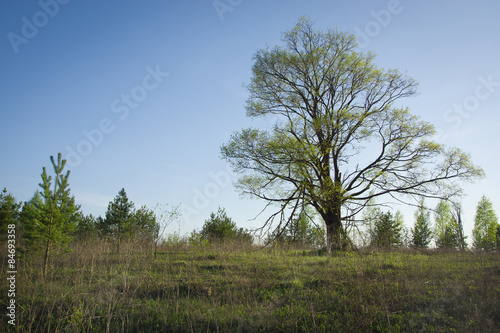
[[229, 289]]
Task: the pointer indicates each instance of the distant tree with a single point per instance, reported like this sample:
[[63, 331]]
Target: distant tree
[[456, 211], [387, 229], [118, 220], [406, 236], [9, 212], [485, 226], [103, 229], [144, 225], [220, 227], [422, 232], [86, 227], [300, 231], [447, 231], [49, 218], [165, 217]]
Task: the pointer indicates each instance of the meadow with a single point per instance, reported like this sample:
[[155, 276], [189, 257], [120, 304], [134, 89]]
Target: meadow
[[235, 288]]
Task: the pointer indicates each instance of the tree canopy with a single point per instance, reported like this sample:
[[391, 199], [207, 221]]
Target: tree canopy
[[340, 138]]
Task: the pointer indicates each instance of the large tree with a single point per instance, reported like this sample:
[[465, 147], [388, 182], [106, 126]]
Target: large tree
[[340, 138]]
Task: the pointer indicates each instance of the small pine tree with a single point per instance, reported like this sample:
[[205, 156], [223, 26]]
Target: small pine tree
[[50, 217], [485, 226], [219, 227], [118, 218], [387, 229], [421, 232]]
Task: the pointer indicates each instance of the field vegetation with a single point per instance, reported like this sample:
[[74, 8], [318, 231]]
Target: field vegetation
[[202, 286]]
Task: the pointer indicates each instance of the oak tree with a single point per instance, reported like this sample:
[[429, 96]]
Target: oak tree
[[341, 137]]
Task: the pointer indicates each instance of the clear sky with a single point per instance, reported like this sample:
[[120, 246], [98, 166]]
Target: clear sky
[[141, 95]]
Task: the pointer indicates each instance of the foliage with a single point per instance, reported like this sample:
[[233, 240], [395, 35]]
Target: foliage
[[498, 237], [422, 232], [386, 229], [122, 221], [331, 101], [447, 230], [87, 227], [50, 217], [165, 217], [220, 227], [118, 220], [9, 212], [485, 226], [230, 289], [144, 224], [456, 210], [300, 231]]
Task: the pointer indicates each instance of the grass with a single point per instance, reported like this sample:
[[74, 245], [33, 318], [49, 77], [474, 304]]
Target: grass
[[232, 289]]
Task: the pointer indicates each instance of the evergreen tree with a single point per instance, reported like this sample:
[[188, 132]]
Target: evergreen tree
[[118, 221], [421, 232], [219, 226], [9, 212], [49, 218], [387, 229], [485, 226], [86, 227]]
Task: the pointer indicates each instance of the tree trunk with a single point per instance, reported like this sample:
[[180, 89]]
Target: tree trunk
[[46, 259], [47, 249], [334, 230]]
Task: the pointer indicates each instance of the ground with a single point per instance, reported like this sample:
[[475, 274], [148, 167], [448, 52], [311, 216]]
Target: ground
[[233, 288]]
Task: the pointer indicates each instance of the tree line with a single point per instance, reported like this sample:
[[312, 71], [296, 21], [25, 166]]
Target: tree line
[[340, 142], [51, 219], [387, 230]]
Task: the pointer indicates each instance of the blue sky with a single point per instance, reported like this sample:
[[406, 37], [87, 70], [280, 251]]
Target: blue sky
[[146, 92]]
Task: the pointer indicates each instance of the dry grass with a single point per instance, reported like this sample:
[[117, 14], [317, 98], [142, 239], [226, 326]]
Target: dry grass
[[226, 288]]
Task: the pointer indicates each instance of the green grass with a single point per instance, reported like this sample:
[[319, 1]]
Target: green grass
[[228, 289]]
